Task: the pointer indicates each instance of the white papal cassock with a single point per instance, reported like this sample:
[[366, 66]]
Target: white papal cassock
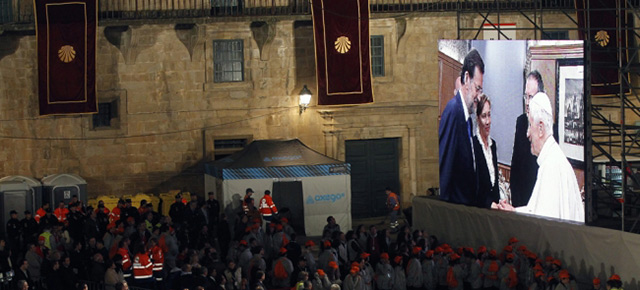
[[556, 193]]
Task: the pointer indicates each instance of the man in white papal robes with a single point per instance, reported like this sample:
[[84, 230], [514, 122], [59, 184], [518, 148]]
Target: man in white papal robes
[[556, 193]]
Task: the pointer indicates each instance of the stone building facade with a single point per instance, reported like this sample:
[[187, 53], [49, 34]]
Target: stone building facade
[[159, 75]]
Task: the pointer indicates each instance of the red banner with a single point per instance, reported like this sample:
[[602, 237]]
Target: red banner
[[66, 34], [602, 27], [341, 30]]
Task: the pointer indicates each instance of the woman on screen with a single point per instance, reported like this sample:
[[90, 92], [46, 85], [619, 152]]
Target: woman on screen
[[484, 149]]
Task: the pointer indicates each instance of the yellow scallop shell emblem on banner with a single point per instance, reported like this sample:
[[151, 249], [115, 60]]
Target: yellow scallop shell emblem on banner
[[602, 37], [66, 54], [342, 44]]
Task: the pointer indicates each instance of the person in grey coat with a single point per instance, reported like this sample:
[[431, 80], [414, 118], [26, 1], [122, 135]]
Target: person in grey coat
[[35, 261], [384, 272]]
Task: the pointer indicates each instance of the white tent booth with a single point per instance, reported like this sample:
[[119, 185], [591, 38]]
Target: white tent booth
[[306, 185]]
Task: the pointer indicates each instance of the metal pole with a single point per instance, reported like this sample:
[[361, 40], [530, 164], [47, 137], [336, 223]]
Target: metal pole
[[623, 157]]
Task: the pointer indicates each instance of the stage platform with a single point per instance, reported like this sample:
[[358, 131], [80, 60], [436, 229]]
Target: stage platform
[[587, 252]]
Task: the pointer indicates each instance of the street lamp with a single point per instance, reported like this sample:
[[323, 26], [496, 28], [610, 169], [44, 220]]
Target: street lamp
[[305, 99]]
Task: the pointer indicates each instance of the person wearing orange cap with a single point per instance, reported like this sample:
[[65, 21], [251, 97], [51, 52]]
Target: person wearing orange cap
[[393, 204], [442, 265], [327, 256], [282, 269], [307, 254], [540, 281], [565, 280], [366, 271], [614, 282], [455, 273], [384, 273], [506, 250], [481, 251], [597, 285], [279, 238], [527, 263], [429, 271], [490, 271], [414, 270], [245, 254], [399, 275], [252, 232], [556, 266], [353, 281], [474, 266], [508, 275], [320, 280], [333, 273]]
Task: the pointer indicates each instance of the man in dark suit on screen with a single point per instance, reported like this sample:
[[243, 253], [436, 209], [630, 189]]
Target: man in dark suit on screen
[[524, 167], [458, 178]]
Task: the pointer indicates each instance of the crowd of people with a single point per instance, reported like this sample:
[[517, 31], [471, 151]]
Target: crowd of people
[[196, 247]]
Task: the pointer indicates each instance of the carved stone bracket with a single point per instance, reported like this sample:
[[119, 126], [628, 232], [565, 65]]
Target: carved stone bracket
[[130, 40], [263, 33], [9, 44], [192, 36], [401, 27]]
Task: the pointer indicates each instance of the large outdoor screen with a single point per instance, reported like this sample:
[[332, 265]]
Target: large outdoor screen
[[511, 126]]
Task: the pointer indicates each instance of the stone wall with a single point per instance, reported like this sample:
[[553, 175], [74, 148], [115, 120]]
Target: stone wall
[[170, 110]]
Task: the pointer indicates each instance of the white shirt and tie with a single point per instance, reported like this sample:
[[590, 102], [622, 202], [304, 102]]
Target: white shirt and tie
[[467, 117]]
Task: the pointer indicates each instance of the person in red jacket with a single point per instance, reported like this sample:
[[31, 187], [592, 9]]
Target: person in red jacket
[[115, 213], [267, 207], [142, 268], [61, 212], [156, 253], [41, 212], [123, 250]]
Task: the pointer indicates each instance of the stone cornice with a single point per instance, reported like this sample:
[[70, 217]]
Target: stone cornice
[[411, 108]]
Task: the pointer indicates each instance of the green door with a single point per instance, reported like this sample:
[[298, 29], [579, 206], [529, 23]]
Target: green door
[[374, 166]]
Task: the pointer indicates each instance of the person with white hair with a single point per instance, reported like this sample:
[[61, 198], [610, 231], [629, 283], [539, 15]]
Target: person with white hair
[[556, 193]]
